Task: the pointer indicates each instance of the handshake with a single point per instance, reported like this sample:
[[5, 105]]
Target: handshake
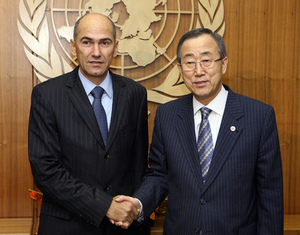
[[123, 211]]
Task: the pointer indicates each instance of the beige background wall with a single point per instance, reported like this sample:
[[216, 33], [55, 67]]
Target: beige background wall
[[263, 43]]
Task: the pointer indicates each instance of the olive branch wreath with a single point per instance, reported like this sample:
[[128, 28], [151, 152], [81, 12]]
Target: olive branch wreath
[[34, 30]]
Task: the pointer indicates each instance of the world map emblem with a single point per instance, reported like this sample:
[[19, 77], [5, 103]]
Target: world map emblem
[[148, 32]]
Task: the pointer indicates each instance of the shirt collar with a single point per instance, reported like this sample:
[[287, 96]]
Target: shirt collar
[[89, 86], [217, 105]]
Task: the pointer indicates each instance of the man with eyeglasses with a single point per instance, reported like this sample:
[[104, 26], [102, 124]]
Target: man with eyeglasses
[[215, 153]]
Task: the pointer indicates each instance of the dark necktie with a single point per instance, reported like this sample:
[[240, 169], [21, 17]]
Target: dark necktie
[[205, 143], [100, 114]]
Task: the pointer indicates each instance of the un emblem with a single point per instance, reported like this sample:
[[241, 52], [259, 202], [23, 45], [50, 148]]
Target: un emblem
[[148, 32]]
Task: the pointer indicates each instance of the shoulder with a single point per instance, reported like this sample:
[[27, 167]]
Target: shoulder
[[183, 102], [128, 84], [246, 101], [181, 107], [254, 105], [55, 88], [247, 106], [58, 82]]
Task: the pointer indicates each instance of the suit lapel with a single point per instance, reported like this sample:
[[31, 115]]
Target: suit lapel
[[186, 133], [229, 133], [118, 108], [82, 104]]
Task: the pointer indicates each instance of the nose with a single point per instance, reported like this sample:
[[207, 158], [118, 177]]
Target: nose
[[198, 69], [96, 50]]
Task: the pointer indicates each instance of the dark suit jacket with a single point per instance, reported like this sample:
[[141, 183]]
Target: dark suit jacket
[[70, 164], [243, 192]]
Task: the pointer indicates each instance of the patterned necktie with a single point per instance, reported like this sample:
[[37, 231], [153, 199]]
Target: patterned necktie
[[100, 114], [204, 143]]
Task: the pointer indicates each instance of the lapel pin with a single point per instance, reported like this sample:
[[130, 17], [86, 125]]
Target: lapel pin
[[232, 128]]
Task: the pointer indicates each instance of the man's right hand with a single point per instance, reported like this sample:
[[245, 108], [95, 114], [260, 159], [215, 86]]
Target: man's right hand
[[123, 211]]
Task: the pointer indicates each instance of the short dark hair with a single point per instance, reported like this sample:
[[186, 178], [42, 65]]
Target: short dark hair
[[195, 33], [75, 32]]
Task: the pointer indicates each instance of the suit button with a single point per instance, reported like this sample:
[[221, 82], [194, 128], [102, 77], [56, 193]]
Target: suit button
[[106, 156], [202, 201], [106, 187], [196, 230]]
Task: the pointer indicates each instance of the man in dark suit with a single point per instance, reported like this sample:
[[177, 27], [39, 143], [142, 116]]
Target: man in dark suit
[[78, 168], [234, 184]]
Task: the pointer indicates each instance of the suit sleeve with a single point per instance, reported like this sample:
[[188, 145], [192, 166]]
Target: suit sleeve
[[269, 180], [50, 175], [154, 187], [141, 143]]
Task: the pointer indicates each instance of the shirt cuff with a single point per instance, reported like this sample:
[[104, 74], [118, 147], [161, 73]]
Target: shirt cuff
[[141, 214]]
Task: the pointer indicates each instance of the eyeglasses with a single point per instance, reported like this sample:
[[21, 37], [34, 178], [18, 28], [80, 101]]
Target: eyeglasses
[[205, 64]]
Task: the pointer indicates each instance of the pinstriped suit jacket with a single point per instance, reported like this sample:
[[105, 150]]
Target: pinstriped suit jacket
[[243, 192], [70, 164]]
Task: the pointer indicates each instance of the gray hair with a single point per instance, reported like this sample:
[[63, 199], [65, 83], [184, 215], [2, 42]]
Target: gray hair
[[195, 33]]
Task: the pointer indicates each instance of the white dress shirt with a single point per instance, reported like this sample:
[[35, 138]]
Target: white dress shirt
[[107, 97], [217, 105]]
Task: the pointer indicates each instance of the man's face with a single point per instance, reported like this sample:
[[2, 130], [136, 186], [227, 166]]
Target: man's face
[[205, 84], [94, 47]]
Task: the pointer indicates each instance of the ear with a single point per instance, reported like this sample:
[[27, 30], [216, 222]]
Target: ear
[[116, 49], [224, 64], [179, 68], [73, 48]]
